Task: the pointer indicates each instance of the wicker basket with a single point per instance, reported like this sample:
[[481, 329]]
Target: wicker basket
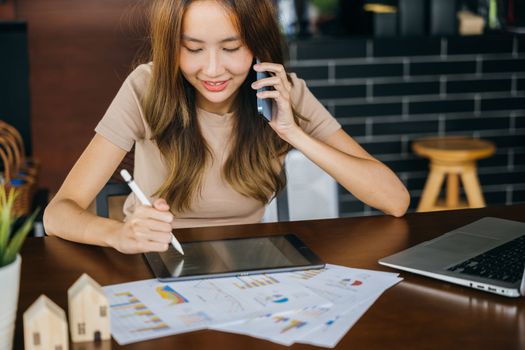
[[16, 172], [27, 166]]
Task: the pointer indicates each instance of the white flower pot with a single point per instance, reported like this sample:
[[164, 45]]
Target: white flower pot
[[10, 281]]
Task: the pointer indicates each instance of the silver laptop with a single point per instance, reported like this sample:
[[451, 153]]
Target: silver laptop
[[488, 254]]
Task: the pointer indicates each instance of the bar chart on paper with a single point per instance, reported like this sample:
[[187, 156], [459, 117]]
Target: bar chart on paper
[[133, 319], [313, 306], [248, 282], [307, 274]]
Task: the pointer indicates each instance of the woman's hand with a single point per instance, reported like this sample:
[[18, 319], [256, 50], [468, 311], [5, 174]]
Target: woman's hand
[[282, 117], [148, 229]]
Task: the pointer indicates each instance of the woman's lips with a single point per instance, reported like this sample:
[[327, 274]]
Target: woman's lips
[[215, 86]]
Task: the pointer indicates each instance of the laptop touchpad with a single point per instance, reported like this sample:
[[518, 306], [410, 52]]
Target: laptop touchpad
[[462, 243]]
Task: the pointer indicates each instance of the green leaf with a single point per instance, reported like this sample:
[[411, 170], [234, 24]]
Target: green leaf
[[6, 217], [18, 239]]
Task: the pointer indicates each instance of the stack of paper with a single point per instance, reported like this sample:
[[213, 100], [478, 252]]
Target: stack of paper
[[314, 306]]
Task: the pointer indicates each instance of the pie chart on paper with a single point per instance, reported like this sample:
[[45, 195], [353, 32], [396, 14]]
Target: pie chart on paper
[[351, 282], [279, 299]]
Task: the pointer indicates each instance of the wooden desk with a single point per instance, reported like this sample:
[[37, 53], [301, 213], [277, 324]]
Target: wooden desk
[[418, 313]]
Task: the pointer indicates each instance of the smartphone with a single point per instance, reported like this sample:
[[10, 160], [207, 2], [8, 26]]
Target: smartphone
[[264, 106]]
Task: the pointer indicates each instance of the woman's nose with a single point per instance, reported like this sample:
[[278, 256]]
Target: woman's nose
[[213, 65]]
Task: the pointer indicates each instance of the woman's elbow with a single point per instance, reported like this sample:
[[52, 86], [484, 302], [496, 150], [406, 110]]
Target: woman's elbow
[[400, 205], [49, 219]]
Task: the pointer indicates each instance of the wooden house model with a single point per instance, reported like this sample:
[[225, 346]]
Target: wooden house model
[[88, 311], [45, 326]]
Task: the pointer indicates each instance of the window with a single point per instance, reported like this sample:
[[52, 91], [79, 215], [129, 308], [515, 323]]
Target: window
[[103, 311], [81, 328], [36, 338]]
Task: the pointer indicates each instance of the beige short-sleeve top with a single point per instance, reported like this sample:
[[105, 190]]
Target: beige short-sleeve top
[[124, 125]]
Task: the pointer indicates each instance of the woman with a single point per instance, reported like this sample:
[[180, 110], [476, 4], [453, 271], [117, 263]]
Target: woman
[[201, 150]]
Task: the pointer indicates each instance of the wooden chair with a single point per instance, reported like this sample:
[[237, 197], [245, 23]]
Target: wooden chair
[[111, 189], [453, 157]]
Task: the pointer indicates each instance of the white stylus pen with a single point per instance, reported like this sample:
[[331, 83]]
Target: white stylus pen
[[144, 200]]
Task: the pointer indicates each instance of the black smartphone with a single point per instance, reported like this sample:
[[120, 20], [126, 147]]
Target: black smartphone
[[264, 106]]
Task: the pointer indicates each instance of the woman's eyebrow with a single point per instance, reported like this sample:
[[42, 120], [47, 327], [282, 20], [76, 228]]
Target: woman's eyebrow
[[228, 39]]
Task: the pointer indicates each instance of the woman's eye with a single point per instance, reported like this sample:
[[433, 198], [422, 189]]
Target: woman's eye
[[192, 50], [231, 49]]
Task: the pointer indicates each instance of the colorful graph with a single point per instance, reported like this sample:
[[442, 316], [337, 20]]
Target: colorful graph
[[314, 311], [275, 298], [195, 319], [278, 298], [307, 274], [350, 282], [131, 314], [330, 322], [212, 293], [131, 302], [141, 312], [254, 282], [290, 323], [157, 327], [168, 293]]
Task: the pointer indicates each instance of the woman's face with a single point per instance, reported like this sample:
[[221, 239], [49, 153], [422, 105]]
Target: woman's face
[[213, 57]]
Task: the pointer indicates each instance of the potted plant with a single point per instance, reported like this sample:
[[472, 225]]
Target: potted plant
[[11, 239]]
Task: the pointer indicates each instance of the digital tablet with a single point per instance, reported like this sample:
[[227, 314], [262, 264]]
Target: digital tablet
[[233, 257]]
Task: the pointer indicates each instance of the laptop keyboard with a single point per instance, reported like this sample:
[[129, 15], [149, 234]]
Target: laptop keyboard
[[504, 263]]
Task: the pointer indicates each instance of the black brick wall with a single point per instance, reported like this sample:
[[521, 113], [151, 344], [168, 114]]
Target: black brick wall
[[388, 92]]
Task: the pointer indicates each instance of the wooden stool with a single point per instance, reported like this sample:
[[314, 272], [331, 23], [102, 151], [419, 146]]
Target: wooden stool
[[452, 156]]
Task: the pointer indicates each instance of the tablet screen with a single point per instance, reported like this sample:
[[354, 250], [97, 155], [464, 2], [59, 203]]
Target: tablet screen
[[220, 258]]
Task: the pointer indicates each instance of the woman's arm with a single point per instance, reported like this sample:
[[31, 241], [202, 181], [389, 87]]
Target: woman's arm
[[340, 156], [349, 164], [66, 216]]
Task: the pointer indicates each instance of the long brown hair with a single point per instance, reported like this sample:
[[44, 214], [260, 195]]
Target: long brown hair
[[252, 168]]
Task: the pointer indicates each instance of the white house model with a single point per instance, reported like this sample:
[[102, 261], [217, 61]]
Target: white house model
[[88, 311], [45, 326]]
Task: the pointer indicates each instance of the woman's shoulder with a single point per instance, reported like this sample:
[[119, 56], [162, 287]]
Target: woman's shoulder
[[321, 124], [299, 92], [141, 74]]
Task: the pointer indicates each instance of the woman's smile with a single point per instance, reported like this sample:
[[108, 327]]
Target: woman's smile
[[215, 86]]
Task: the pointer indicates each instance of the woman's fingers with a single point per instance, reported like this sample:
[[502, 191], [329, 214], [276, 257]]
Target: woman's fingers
[[152, 229], [147, 229], [153, 236], [283, 118], [146, 212], [274, 82], [156, 225], [151, 246], [282, 103], [161, 204], [140, 242], [277, 70]]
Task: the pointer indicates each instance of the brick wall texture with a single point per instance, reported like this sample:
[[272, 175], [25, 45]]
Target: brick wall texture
[[388, 92]]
